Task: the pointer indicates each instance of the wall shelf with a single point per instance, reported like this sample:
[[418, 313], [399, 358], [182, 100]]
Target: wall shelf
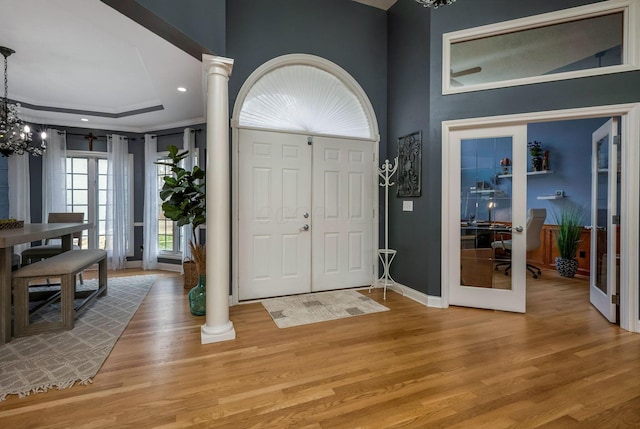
[[549, 197], [529, 173]]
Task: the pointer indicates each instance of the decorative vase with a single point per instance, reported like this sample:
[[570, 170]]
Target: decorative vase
[[198, 297], [566, 267], [536, 163]]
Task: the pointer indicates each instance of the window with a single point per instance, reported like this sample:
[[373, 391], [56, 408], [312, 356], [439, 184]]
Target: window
[[169, 234], [590, 40], [87, 193]]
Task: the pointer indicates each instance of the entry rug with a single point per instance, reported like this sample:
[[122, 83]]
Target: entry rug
[[319, 307], [37, 363]]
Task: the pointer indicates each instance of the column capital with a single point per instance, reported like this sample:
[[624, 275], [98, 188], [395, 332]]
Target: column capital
[[212, 64]]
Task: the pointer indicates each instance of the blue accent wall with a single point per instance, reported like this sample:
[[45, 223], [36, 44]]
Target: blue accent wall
[[569, 145], [181, 14], [350, 34]]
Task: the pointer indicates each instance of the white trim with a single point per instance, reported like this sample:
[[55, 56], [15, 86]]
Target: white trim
[[630, 55], [630, 204], [420, 297], [350, 83]]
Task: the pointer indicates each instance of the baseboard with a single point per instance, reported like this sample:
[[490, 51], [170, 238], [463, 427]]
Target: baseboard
[[420, 297]]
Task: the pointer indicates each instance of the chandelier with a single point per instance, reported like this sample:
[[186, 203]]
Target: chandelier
[[435, 3], [15, 134]]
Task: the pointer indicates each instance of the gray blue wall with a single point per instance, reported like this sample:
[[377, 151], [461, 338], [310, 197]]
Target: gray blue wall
[[418, 264]]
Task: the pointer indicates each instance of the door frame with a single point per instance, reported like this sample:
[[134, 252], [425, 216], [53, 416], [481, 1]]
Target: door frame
[[357, 91], [629, 211]]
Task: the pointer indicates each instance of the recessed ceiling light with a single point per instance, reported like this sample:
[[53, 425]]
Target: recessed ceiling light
[[84, 119], [182, 89]]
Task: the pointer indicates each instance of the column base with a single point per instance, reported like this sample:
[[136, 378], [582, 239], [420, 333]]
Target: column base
[[224, 333]]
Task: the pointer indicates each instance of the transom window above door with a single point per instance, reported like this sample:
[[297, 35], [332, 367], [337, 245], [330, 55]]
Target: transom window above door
[[304, 98], [590, 40]]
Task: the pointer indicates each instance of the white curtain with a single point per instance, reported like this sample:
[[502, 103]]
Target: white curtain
[[118, 210], [54, 177], [19, 193], [151, 201], [188, 143]]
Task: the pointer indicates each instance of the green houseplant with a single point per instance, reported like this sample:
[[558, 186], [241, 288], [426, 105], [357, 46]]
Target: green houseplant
[[184, 202], [568, 236]]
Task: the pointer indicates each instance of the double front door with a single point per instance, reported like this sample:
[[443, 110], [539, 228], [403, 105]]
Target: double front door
[[306, 213]]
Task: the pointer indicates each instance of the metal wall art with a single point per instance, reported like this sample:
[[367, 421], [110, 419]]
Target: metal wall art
[[410, 165]]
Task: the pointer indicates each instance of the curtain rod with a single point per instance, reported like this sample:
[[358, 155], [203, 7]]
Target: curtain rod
[[176, 134], [95, 137]]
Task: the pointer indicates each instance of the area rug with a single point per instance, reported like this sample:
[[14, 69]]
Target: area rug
[[319, 307], [59, 360]]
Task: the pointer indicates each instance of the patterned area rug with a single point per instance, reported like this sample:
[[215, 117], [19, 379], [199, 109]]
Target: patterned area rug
[[319, 307], [59, 360]]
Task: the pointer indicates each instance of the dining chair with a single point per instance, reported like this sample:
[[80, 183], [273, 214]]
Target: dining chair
[[52, 247]]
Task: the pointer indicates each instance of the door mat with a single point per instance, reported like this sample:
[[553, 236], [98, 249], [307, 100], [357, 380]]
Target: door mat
[[319, 307]]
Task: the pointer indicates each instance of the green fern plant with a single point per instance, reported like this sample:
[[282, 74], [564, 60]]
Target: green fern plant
[[569, 232]]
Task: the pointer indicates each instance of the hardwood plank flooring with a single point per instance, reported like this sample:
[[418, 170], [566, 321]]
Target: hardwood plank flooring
[[561, 365]]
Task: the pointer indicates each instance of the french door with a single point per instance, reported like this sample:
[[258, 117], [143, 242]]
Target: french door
[[305, 214], [486, 236], [605, 208]]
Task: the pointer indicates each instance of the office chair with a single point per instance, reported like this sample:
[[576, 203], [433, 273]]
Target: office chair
[[535, 221], [49, 249]]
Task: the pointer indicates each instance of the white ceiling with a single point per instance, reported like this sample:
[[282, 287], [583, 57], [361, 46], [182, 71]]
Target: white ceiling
[[83, 59], [85, 56]]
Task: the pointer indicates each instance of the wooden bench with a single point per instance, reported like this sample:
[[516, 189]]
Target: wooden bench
[[65, 265]]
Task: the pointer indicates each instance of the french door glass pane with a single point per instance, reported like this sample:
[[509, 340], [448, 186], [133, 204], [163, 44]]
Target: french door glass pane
[[485, 210], [602, 193]]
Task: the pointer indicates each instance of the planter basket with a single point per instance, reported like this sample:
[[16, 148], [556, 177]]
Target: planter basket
[[566, 267], [190, 274]]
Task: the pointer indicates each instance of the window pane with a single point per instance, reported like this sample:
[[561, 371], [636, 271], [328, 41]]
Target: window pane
[[580, 44], [80, 181], [103, 166], [80, 165], [80, 197]]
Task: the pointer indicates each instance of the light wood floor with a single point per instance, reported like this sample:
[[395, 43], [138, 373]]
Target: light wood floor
[[559, 366]]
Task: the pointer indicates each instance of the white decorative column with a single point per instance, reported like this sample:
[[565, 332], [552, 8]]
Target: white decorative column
[[218, 327]]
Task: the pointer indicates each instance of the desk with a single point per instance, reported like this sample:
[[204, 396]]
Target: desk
[[481, 236], [9, 238]]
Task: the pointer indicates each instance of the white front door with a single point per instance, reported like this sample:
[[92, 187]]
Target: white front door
[[605, 206], [343, 218], [490, 208], [274, 184], [306, 214]]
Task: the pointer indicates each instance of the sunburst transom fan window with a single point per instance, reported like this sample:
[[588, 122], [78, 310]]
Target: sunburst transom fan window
[[307, 99]]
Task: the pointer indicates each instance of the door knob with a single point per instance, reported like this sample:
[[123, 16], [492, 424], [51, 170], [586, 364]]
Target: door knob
[[305, 215], [517, 228], [305, 227]]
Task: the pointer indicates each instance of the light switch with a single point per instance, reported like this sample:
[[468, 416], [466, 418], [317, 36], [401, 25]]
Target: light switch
[[407, 206]]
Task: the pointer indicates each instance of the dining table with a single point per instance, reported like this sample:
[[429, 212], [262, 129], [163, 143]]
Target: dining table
[[26, 234]]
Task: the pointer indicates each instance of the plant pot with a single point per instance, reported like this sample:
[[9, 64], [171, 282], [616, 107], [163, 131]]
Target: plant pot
[[566, 267], [198, 297], [536, 163]]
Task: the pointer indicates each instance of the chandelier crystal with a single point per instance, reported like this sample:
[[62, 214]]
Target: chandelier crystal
[[15, 134], [434, 3]]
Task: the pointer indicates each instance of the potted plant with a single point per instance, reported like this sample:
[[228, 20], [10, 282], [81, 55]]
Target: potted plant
[[568, 236], [535, 150], [184, 201]]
